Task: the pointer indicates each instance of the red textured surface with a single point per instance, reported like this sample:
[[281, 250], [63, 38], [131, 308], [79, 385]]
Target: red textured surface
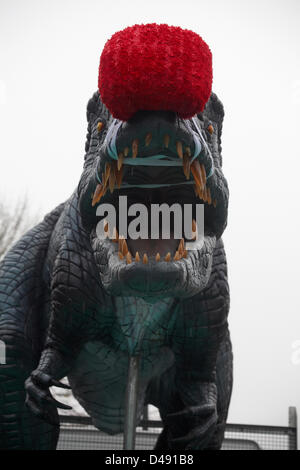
[[155, 67]]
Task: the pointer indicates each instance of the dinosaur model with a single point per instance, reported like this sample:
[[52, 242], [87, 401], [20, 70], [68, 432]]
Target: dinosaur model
[[78, 305]]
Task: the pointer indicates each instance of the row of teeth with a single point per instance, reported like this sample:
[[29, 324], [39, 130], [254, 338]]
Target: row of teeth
[[113, 173], [124, 253]]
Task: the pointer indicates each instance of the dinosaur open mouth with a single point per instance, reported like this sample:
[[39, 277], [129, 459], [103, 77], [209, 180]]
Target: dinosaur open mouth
[[157, 162]]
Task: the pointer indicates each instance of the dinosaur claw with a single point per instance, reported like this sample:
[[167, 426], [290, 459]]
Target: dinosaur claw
[[58, 404], [45, 416], [57, 383], [37, 387], [33, 407]]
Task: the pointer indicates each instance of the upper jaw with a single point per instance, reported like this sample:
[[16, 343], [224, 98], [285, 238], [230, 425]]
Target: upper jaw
[[190, 167], [162, 142]]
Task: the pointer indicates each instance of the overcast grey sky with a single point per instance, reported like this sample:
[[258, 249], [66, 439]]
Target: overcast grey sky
[[48, 70]]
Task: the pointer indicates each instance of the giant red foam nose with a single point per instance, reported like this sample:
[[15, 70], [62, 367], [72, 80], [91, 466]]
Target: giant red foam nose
[[155, 67]]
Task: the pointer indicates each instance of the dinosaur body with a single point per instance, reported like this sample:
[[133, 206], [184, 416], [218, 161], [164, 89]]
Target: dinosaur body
[[57, 319], [75, 304]]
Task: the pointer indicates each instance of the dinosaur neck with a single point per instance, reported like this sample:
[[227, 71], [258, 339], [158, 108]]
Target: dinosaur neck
[[142, 320]]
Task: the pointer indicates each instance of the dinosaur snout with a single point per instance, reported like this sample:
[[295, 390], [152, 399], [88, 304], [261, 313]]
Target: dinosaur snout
[[150, 133]]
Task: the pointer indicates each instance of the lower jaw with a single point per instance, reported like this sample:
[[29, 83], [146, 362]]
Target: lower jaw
[[158, 279], [154, 280]]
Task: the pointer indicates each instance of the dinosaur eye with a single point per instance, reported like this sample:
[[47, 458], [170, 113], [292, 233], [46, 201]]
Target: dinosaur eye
[[100, 126], [210, 129]]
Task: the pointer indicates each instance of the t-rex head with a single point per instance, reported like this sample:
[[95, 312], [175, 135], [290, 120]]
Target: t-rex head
[[154, 157]]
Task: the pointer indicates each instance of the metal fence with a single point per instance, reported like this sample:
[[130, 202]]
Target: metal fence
[[79, 433]]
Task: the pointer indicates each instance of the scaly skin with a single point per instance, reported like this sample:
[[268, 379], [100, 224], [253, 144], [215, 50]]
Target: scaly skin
[[70, 306]]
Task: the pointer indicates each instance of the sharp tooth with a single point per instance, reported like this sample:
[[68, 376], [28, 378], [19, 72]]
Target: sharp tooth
[[120, 160], [135, 146], [112, 179], [126, 151], [106, 227], [145, 259], [184, 254], [97, 194], [208, 196], [121, 256], [124, 247], [179, 149], [215, 203], [148, 139], [177, 256], [194, 229], [198, 191], [186, 166], [204, 197], [128, 258], [181, 246], [188, 151], [157, 257], [107, 173], [166, 140], [202, 194], [168, 257], [119, 177], [203, 174], [196, 172], [115, 237], [137, 257]]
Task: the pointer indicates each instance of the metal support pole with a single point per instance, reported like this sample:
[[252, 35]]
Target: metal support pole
[[293, 445], [131, 404]]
